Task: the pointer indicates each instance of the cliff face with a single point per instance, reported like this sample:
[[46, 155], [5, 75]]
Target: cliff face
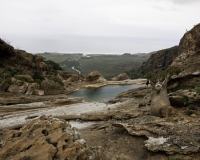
[[158, 61], [188, 59], [189, 52], [185, 56]]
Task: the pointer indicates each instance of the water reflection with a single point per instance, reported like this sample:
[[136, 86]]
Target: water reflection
[[103, 93]]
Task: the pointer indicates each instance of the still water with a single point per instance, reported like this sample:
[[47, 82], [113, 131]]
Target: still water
[[102, 93]]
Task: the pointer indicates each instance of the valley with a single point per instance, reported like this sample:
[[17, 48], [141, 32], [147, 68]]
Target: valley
[[39, 120], [108, 65]]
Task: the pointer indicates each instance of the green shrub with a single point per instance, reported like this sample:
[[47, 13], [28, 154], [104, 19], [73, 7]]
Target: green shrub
[[9, 81], [198, 89], [23, 79], [52, 65], [185, 100], [173, 70], [37, 76], [9, 71], [21, 82], [57, 80], [38, 81]]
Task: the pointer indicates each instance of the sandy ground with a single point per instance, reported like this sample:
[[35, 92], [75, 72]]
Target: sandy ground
[[19, 118]]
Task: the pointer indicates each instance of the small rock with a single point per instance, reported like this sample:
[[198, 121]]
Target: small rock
[[193, 115]]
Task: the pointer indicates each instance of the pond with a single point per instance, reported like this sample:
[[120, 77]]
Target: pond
[[102, 93]]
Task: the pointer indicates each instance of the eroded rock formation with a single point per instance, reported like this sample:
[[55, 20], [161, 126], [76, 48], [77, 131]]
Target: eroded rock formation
[[95, 77], [45, 138], [120, 77], [177, 135], [188, 59]]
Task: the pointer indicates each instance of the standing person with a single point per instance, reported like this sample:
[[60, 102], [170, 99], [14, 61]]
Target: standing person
[[147, 83]]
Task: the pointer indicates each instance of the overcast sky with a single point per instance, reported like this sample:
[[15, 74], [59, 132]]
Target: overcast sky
[[96, 26]]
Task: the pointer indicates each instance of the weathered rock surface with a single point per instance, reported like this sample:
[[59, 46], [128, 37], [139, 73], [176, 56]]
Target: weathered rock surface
[[50, 87], [120, 77], [157, 61], [141, 92], [19, 70], [21, 99], [188, 59], [95, 77], [176, 98], [180, 136], [44, 139]]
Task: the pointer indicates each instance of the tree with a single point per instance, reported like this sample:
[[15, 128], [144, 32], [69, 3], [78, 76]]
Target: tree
[[52, 65], [159, 98]]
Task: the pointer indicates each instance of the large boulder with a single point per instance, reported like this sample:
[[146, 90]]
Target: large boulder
[[95, 77], [44, 139], [18, 87], [31, 88], [120, 77], [50, 87]]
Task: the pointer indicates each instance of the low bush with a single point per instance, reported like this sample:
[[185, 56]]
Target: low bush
[[185, 100], [38, 76], [57, 80], [52, 65], [193, 107], [23, 79], [198, 89]]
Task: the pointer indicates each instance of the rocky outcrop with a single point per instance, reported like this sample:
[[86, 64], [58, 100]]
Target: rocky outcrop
[[26, 73], [179, 136], [120, 77], [6, 50], [95, 77], [158, 61], [183, 98], [188, 59], [141, 92], [50, 87], [45, 138], [19, 60]]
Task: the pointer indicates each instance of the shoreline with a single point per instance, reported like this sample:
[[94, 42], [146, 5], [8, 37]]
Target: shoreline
[[124, 82]]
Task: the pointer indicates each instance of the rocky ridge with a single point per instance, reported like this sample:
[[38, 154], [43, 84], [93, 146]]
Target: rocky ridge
[[157, 62], [188, 59]]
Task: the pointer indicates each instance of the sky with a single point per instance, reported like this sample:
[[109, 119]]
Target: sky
[[96, 26]]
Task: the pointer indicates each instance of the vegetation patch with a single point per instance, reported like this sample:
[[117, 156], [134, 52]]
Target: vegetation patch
[[51, 65], [57, 80], [108, 65], [38, 78], [185, 100], [23, 79]]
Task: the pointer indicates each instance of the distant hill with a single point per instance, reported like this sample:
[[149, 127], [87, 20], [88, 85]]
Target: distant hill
[[108, 65]]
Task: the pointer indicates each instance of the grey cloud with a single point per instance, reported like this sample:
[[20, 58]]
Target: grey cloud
[[96, 26], [185, 1]]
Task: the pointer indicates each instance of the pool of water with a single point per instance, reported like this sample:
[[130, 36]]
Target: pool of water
[[102, 93]]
